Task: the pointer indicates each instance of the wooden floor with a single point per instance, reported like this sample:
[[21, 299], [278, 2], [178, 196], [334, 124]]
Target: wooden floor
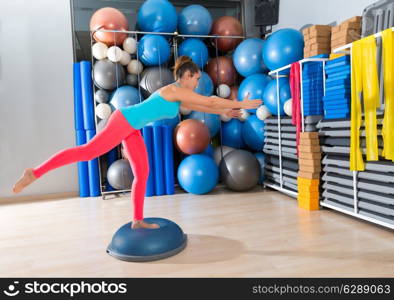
[[255, 234]]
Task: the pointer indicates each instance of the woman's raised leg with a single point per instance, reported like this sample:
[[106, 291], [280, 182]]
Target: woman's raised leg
[[116, 130]]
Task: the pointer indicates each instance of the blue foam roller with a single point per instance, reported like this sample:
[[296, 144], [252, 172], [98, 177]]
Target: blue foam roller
[[346, 73], [339, 110], [78, 112], [338, 93], [336, 97], [168, 159], [158, 160], [112, 156], [344, 82], [338, 65], [343, 69], [320, 56], [312, 80], [87, 95], [147, 133], [308, 94], [339, 59], [334, 78], [336, 101], [83, 173], [338, 87], [336, 106], [94, 179], [336, 116]]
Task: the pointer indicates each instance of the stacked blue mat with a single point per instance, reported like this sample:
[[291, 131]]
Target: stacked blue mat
[[159, 144], [312, 86], [338, 88]]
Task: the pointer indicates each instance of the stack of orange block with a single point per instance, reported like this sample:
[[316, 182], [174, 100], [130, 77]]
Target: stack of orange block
[[345, 33], [317, 39], [309, 161]]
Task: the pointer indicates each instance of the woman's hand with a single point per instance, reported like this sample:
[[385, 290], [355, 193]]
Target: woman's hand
[[250, 104], [233, 113]]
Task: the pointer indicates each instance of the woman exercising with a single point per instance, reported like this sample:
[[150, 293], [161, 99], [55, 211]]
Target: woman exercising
[[124, 127]]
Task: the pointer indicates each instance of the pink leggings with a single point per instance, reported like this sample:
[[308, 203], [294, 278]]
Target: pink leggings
[[116, 131]]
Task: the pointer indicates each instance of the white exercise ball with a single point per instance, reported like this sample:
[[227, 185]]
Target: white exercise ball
[[223, 90], [244, 115], [287, 107], [125, 59], [114, 54], [263, 113], [185, 111], [99, 50], [103, 111], [135, 67], [224, 118], [130, 45]]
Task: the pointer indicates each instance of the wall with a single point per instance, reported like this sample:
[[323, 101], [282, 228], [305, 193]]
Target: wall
[[36, 92], [297, 13]]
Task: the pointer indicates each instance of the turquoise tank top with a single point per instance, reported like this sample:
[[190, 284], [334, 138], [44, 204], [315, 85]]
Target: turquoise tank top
[[152, 109]]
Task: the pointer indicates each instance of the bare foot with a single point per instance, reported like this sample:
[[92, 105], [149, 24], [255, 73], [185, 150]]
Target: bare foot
[[27, 178], [142, 224]]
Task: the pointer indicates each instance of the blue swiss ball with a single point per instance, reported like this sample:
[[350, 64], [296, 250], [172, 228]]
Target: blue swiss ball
[[194, 19], [255, 86], [253, 133], [205, 85], [283, 47], [153, 50], [124, 96], [261, 158], [157, 16], [232, 134], [196, 50], [270, 95], [212, 121], [248, 59], [198, 174]]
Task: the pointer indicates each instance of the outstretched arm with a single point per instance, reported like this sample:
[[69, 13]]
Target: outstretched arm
[[234, 113], [188, 97]]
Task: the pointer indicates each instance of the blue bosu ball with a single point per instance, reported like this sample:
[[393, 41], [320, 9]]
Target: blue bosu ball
[[139, 245]]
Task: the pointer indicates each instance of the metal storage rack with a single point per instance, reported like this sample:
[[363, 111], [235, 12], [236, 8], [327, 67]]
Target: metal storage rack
[[276, 74], [355, 176]]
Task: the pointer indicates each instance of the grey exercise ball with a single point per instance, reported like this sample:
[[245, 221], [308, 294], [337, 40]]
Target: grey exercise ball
[[108, 75], [101, 96], [119, 175], [132, 79], [153, 78], [240, 170], [217, 155]]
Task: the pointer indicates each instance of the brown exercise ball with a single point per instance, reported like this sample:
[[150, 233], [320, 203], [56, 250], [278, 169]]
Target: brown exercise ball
[[191, 136], [227, 26], [233, 93], [109, 18], [221, 70]]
